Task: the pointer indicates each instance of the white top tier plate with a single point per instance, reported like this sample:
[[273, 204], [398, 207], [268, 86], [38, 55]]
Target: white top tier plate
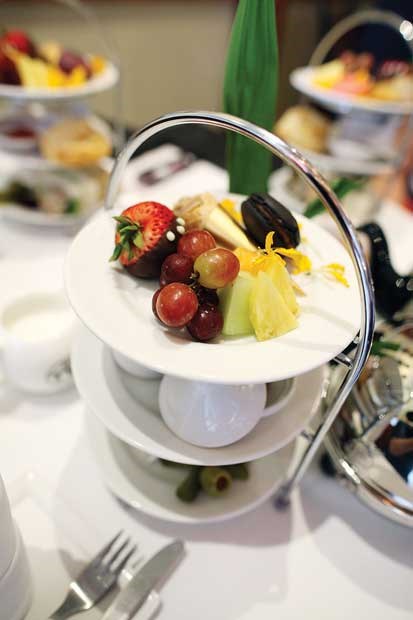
[[302, 80], [101, 82], [117, 308]]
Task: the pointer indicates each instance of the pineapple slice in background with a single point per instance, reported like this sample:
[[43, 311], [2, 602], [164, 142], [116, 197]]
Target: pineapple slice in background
[[234, 301], [32, 71], [269, 313], [329, 74]]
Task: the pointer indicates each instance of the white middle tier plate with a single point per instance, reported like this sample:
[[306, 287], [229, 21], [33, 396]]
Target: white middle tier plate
[[128, 407], [117, 308]]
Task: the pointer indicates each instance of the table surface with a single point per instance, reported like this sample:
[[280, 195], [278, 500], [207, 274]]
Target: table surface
[[327, 557]]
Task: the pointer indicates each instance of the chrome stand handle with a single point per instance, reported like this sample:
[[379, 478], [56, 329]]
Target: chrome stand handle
[[312, 177]]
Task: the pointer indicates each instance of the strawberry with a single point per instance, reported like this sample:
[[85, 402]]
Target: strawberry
[[145, 234], [8, 70], [20, 41]]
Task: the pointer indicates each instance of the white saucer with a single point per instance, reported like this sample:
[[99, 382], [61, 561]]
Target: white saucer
[[150, 487], [118, 309], [302, 80], [128, 407]]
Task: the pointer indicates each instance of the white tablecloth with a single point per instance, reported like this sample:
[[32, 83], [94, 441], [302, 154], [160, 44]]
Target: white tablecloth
[[327, 557]]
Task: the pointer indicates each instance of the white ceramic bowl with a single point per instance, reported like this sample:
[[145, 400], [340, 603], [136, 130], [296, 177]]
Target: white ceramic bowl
[[16, 585]]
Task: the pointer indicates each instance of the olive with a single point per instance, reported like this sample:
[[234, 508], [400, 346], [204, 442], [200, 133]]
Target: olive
[[215, 481]]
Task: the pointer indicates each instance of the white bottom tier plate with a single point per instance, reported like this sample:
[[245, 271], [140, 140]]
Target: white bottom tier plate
[[128, 407], [147, 485]]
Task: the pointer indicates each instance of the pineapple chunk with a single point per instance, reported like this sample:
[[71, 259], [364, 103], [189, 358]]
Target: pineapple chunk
[[33, 72], [282, 281], [234, 304], [269, 313]]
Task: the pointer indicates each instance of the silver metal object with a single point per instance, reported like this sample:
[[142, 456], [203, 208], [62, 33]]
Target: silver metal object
[[361, 18], [371, 441], [310, 175], [134, 594], [96, 579]]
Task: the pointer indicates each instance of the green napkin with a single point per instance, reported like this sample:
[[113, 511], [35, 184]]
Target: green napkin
[[250, 91]]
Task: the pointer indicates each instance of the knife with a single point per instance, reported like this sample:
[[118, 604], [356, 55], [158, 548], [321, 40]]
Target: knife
[[131, 598]]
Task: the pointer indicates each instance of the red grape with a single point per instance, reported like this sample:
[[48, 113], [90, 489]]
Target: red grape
[[176, 268], [207, 296], [206, 324], [216, 268], [195, 242], [176, 304], [154, 300]]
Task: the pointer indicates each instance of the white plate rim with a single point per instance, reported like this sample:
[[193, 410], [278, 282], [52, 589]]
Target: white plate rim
[[124, 489], [300, 78], [198, 361], [90, 358]]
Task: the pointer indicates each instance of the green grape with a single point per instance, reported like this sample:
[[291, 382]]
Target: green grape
[[216, 268]]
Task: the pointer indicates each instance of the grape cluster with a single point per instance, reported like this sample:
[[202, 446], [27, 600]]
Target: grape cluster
[[189, 279]]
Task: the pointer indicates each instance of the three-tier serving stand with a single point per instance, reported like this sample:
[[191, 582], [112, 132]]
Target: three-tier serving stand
[[353, 362]]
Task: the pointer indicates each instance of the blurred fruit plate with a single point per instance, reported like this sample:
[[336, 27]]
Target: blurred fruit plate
[[33, 217], [302, 80], [99, 83], [143, 483], [117, 308]]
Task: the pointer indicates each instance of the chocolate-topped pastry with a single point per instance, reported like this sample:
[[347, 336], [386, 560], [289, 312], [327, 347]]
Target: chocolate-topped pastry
[[263, 214]]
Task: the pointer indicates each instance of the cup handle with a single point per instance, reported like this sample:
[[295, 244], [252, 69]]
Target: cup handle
[[281, 402]]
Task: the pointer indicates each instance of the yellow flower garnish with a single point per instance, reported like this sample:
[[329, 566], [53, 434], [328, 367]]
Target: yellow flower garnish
[[259, 260], [336, 272], [229, 207], [301, 262]]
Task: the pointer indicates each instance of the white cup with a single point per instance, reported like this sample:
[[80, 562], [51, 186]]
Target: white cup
[[15, 579], [212, 415], [7, 532], [36, 332], [16, 585]]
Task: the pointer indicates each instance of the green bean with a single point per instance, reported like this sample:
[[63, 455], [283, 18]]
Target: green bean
[[189, 488], [215, 480]]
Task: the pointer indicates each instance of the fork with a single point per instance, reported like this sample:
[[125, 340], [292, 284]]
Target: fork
[[96, 579]]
